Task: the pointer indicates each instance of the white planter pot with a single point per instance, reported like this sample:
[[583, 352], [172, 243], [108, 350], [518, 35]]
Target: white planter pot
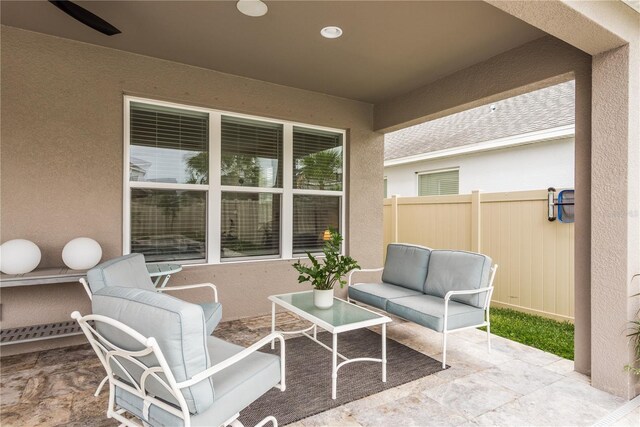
[[323, 298]]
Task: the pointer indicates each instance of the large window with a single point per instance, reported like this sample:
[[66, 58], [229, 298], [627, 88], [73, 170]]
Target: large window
[[208, 186], [438, 182]]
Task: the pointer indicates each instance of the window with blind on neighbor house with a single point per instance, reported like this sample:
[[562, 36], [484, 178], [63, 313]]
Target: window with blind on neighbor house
[[177, 211], [438, 183]]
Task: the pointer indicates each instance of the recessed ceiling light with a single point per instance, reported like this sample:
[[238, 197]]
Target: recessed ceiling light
[[252, 7], [331, 32]]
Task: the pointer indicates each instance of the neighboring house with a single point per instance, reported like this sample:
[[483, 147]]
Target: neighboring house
[[521, 143]]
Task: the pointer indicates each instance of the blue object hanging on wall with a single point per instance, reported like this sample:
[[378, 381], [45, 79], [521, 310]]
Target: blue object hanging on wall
[[565, 203], [566, 206]]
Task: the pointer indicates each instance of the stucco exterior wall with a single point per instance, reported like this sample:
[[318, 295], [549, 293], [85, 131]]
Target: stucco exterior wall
[[527, 167], [62, 162]]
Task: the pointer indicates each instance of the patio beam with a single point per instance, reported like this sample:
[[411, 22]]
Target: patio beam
[[534, 65]]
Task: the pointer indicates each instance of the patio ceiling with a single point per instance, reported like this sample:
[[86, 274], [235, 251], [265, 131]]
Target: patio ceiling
[[388, 48]]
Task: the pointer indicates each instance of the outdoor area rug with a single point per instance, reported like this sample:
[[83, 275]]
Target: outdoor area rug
[[309, 375]]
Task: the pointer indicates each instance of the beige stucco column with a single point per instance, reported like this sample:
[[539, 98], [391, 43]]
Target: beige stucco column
[[615, 203]]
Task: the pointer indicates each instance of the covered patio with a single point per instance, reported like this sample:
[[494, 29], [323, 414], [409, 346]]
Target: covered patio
[[77, 160], [514, 385]]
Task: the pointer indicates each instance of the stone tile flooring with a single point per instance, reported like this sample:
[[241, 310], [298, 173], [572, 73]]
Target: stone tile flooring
[[514, 385]]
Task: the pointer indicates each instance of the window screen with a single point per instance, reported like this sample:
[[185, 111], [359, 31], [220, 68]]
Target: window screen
[[251, 153], [312, 215], [168, 145], [317, 159], [168, 224], [250, 224]]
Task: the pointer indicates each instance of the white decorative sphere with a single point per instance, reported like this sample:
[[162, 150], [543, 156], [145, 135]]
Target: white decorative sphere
[[19, 256], [81, 253]]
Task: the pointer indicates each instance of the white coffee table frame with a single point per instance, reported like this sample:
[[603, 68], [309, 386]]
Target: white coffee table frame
[[334, 330]]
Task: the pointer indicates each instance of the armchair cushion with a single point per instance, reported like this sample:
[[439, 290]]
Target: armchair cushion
[[428, 310], [406, 266], [127, 271], [456, 271], [212, 315], [377, 294], [177, 326], [235, 387]]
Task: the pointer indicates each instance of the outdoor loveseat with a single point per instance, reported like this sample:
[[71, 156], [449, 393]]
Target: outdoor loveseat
[[443, 290]]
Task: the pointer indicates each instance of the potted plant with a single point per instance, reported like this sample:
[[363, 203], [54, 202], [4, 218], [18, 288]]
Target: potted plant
[[634, 336], [325, 274]]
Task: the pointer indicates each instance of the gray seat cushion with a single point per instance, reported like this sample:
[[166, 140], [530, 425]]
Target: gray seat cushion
[[235, 387], [456, 271], [406, 266], [427, 310], [377, 294], [212, 315], [127, 271], [178, 327]]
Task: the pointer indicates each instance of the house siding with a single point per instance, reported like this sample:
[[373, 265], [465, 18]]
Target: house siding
[[527, 167]]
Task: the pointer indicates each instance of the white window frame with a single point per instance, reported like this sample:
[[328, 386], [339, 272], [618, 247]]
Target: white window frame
[[430, 172], [214, 188]]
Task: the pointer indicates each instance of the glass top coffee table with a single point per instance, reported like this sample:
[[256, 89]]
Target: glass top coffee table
[[341, 317]]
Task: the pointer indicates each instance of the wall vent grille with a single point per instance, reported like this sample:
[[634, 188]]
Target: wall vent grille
[[25, 334]]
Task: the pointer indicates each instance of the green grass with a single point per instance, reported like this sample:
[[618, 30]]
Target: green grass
[[546, 334]]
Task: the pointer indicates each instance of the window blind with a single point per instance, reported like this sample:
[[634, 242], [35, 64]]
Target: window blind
[[168, 224], [317, 159], [251, 153], [168, 145], [250, 224], [438, 183]]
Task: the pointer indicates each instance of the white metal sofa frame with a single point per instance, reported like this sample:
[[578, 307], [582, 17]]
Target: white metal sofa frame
[[447, 298], [107, 352]]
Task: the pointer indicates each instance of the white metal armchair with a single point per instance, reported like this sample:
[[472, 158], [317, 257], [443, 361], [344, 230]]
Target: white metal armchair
[[131, 271], [168, 371]]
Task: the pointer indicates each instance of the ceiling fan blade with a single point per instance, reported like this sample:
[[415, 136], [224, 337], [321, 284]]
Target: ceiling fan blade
[[87, 18]]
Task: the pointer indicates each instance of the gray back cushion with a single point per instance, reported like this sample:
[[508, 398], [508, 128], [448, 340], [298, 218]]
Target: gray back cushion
[[457, 271], [177, 326], [406, 266], [129, 271]]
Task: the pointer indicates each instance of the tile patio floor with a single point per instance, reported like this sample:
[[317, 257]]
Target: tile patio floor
[[515, 385]]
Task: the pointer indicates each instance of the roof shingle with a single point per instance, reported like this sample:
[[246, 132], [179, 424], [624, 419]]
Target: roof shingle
[[534, 111]]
